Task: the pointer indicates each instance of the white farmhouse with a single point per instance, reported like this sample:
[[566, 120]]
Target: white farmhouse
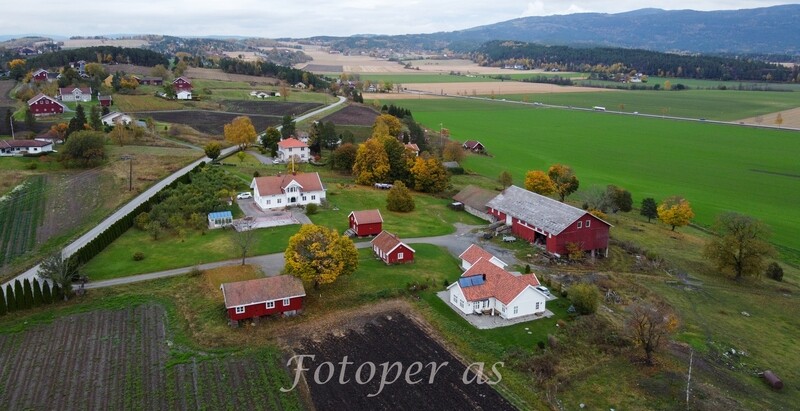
[[114, 118], [73, 93], [273, 192], [474, 253], [21, 147], [488, 289], [185, 94], [292, 147]]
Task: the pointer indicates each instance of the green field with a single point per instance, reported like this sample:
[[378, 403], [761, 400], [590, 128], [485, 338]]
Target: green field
[[20, 215], [710, 104], [699, 84], [716, 167]]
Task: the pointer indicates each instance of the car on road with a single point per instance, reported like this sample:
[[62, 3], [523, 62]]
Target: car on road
[[542, 289], [243, 196]]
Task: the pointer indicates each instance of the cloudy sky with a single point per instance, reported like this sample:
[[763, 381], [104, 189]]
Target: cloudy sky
[[305, 18]]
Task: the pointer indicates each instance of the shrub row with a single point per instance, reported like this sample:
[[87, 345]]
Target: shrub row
[[27, 294]]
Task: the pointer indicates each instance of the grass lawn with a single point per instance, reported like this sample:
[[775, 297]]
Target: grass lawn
[[710, 165], [170, 252], [720, 105], [430, 218], [700, 84], [200, 84]]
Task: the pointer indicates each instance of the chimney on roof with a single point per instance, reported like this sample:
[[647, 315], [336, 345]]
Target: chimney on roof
[[484, 277]]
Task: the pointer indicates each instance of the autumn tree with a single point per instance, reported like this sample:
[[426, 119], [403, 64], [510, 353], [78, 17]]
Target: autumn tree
[[649, 208], [453, 152], [400, 198], [120, 134], [160, 71], [429, 175], [778, 119], [505, 179], [649, 325], [240, 132], [84, 149], [344, 157], [244, 235], [398, 159], [539, 182], [213, 150], [372, 163], [585, 298], [96, 70], [564, 179], [741, 245], [270, 140], [392, 124], [60, 271], [284, 92], [17, 69], [620, 198], [319, 255], [675, 211]]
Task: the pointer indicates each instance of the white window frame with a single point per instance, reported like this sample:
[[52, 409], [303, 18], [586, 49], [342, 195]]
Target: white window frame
[[240, 310], [313, 197], [270, 304], [580, 224], [587, 223], [537, 305], [287, 301], [399, 256], [516, 309]]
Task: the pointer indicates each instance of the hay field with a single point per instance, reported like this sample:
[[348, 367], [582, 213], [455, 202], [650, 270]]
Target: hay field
[[791, 119]]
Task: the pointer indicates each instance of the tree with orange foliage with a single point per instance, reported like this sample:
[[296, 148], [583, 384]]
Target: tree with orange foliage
[[675, 211], [539, 182], [241, 132], [649, 326], [564, 179]]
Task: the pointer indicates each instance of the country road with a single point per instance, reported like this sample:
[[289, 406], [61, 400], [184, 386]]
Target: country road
[[81, 241]]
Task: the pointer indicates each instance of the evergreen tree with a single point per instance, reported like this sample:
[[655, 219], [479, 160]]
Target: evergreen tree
[[94, 119], [30, 119], [37, 293], [289, 126], [27, 293], [11, 302], [78, 122], [57, 294], [19, 295], [47, 296], [3, 307], [5, 128], [649, 208]]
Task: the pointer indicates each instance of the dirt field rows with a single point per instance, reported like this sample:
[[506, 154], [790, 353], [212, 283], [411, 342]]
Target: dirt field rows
[[269, 108], [117, 360], [392, 338], [209, 122], [214, 74], [353, 116]]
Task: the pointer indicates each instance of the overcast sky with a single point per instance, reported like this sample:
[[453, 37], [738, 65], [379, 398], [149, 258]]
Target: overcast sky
[[304, 18]]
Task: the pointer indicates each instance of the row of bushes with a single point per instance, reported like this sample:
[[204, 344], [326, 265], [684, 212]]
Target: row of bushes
[[27, 294], [99, 243]]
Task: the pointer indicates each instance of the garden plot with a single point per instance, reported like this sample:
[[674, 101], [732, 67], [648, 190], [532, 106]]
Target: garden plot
[[209, 122], [353, 116], [269, 108]]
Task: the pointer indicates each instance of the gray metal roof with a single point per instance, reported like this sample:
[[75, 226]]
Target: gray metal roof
[[543, 212]]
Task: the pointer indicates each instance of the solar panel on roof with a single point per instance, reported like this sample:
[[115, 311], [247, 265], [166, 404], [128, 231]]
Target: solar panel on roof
[[471, 281]]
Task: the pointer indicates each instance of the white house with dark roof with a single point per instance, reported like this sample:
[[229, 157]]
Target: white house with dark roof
[[21, 147], [272, 192], [548, 222]]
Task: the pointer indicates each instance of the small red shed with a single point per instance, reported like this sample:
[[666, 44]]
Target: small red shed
[[366, 222], [43, 105], [182, 83], [283, 295], [391, 250], [40, 75], [105, 101]]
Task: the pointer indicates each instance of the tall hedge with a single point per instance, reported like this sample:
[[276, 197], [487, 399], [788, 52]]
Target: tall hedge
[[37, 293], [19, 295], [3, 307], [47, 296], [11, 302], [27, 293]]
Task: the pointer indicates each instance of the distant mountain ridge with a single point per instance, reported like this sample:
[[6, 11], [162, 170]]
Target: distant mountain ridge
[[762, 31], [773, 30]]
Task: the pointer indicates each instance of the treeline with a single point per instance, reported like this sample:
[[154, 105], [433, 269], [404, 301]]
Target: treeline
[[27, 294], [101, 54], [618, 60], [267, 69]]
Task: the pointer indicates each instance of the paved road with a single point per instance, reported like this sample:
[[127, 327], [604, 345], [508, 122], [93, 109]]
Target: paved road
[[272, 264], [141, 198]]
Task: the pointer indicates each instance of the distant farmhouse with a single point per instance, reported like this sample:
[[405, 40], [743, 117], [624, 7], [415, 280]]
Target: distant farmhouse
[[74, 93], [293, 148], [274, 192]]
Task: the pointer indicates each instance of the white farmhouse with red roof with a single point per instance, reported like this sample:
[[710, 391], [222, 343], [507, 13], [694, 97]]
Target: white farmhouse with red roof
[[292, 147], [282, 191], [486, 288], [74, 93]]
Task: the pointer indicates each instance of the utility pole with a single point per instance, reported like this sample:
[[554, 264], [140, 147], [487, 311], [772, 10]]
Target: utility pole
[[11, 121], [130, 158]]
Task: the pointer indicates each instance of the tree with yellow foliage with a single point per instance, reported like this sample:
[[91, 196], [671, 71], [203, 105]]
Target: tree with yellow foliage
[[564, 179], [453, 151], [241, 132], [675, 211], [429, 175], [17, 69], [393, 125], [372, 163], [319, 255], [539, 182]]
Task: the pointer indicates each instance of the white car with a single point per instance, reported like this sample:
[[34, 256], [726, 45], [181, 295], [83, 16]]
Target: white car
[[276, 161], [243, 196], [542, 289]]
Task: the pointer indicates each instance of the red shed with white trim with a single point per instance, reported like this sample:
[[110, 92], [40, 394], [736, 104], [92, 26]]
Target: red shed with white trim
[[283, 295], [391, 250], [366, 222]]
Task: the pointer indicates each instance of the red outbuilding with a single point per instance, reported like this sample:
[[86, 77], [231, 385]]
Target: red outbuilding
[[548, 222], [182, 83], [391, 250], [366, 222], [40, 75], [283, 295], [43, 105], [105, 101]]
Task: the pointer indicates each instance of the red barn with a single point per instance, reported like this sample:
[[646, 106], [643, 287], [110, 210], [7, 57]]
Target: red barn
[[182, 83], [391, 250], [43, 105], [105, 101], [283, 295], [543, 220], [366, 222], [40, 75]]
